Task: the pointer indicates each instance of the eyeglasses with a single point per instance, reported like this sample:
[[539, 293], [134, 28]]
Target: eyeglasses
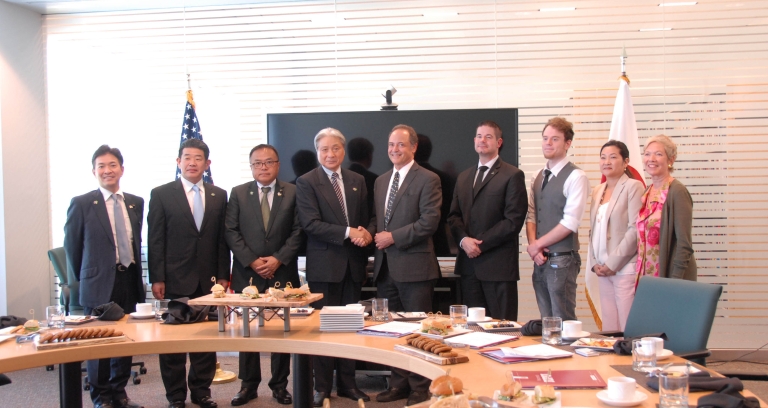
[[268, 163]]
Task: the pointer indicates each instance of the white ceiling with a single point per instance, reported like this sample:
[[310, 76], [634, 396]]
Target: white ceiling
[[92, 6]]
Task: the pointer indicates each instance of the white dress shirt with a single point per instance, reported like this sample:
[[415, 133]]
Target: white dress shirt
[[340, 181], [191, 194], [403, 172], [575, 190], [109, 201]]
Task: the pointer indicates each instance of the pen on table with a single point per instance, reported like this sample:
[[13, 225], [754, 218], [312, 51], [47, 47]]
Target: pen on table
[[400, 314]]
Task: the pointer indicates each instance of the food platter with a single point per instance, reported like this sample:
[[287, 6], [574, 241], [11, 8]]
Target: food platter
[[602, 344]]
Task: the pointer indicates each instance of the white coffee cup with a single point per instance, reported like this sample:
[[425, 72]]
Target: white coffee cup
[[476, 313], [621, 388], [143, 308], [571, 328], [659, 344]]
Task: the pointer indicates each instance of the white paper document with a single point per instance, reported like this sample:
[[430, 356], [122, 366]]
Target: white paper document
[[539, 351], [395, 327], [481, 339]]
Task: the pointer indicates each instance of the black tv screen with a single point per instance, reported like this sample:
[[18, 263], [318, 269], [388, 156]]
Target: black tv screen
[[451, 133]]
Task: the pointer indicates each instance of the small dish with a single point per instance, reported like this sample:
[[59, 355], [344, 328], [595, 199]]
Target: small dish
[[637, 400], [665, 354], [137, 315], [579, 336], [484, 319]]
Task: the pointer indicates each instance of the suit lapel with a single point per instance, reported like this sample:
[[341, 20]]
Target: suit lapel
[[404, 185], [615, 195], [277, 201], [254, 204], [596, 205], [100, 207], [181, 200], [488, 177], [210, 196], [326, 189]]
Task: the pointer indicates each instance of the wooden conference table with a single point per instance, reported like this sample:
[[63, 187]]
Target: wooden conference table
[[480, 375]]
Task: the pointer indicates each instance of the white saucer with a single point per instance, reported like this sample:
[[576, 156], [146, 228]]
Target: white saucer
[[484, 319], [665, 354], [580, 336], [137, 315], [639, 398]]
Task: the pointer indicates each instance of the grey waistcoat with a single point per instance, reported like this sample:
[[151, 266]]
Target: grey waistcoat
[[549, 205]]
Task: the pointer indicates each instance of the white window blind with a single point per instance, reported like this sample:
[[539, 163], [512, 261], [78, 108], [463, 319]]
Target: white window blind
[[698, 75]]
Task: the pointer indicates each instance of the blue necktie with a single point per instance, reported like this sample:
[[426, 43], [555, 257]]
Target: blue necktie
[[197, 204], [123, 243]]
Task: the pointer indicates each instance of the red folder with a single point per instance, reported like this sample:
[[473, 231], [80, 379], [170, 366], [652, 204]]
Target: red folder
[[560, 379]]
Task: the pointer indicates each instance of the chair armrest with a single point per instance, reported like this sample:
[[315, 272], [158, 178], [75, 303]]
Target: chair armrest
[[701, 354], [610, 333], [745, 376]]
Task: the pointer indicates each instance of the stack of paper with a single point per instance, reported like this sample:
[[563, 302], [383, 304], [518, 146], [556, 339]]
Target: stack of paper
[[536, 351], [478, 340], [341, 319]]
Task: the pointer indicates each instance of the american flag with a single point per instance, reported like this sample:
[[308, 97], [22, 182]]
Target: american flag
[[191, 129]]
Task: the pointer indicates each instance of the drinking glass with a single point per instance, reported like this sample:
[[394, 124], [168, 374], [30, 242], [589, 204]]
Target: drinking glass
[[673, 389], [380, 309], [643, 355], [459, 316], [552, 330], [54, 315], [161, 306]]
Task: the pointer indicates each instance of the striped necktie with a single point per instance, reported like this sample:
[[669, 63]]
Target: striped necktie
[[391, 199], [337, 189]]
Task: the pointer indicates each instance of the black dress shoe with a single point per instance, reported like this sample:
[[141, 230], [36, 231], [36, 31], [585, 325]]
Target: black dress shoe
[[416, 397], [104, 404], [354, 394], [125, 403], [319, 397], [244, 395], [176, 404], [205, 402], [282, 396], [392, 394]]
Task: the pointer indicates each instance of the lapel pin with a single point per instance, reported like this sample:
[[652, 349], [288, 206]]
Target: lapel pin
[[280, 193], [354, 188], [213, 194], [131, 206], [95, 202], [251, 192]]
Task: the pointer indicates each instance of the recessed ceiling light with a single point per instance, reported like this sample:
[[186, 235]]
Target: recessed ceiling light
[[558, 9], [682, 3], [656, 29]]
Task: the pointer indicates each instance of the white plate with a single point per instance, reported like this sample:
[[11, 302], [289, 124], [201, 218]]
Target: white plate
[[455, 332], [137, 315], [484, 319], [665, 354], [574, 338], [637, 400]]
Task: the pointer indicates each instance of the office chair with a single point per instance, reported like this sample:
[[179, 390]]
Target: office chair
[[684, 310], [70, 298]]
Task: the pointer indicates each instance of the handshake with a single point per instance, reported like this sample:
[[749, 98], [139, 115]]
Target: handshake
[[360, 236]]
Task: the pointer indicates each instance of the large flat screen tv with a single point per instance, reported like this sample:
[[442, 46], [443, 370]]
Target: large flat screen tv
[[450, 131]]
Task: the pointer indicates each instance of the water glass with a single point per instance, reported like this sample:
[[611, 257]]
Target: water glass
[[643, 355], [161, 306], [673, 389], [552, 330], [459, 316], [380, 309], [54, 316]]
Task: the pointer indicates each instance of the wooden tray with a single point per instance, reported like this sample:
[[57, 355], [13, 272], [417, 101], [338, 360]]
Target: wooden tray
[[234, 299], [80, 342], [432, 358]]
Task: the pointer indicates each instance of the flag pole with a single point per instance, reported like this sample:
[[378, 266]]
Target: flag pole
[[624, 65]]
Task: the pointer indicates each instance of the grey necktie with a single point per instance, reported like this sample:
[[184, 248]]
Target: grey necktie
[[265, 206], [197, 204], [123, 242], [391, 199]]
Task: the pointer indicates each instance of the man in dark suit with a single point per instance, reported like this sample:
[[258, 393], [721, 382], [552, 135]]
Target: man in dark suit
[[263, 233], [407, 212], [186, 248], [361, 156], [487, 213], [333, 211], [102, 240]]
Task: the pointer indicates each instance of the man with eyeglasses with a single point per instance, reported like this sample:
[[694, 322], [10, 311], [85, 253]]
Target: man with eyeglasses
[[264, 235], [333, 210]]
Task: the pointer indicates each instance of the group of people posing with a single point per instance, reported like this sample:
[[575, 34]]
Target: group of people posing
[[192, 228]]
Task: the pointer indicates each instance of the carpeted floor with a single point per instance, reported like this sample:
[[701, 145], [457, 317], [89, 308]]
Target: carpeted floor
[[39, 388]]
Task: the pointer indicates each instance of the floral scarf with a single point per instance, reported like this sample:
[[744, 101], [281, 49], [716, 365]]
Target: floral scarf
[[648, 230]]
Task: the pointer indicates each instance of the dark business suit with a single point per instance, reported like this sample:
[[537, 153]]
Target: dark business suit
[[249, 239], [91, 258], [441, 237], [494, 215], [406, 272], [335, 266], [186, 259]]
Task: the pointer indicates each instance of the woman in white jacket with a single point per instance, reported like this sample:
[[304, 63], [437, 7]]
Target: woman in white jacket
[[613, 234]]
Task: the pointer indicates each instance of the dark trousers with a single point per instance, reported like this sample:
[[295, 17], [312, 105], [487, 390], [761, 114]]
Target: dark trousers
[[335, 294], [202, 368], [250, 370], [498, 298], [405, 297], [109, 376]]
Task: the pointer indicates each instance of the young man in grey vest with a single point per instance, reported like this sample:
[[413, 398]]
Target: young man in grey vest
[[556, 204]]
